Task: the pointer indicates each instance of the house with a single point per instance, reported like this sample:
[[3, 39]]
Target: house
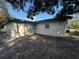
[[50, 27], [16, 28]]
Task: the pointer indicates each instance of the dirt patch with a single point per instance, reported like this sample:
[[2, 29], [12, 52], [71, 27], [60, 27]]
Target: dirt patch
[[43, 47]]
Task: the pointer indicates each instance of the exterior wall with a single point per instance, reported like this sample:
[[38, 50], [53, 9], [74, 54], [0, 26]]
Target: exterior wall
[[19, 29], [56, 28], [7, 28]]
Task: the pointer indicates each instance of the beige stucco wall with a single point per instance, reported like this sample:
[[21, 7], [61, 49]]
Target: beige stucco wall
[[56, 28], [7, 28], [21, 29], [18, 29]]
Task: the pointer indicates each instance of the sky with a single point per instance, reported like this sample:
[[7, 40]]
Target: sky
[[41, 16]]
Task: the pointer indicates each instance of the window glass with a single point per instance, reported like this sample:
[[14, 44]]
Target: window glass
[[46, 25]]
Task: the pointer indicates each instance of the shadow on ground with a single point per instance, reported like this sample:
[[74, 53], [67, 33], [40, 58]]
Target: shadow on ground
[[42, 47]]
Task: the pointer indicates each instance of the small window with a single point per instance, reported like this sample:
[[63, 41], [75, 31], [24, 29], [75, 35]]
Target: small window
[[46, 25]]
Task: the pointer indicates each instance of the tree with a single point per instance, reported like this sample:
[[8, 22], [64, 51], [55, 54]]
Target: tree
[[3, 11], [3, 15], [69, 6]]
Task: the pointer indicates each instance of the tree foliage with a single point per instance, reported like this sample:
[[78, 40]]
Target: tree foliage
[[69, 6], [3, 11], [3, 15]]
